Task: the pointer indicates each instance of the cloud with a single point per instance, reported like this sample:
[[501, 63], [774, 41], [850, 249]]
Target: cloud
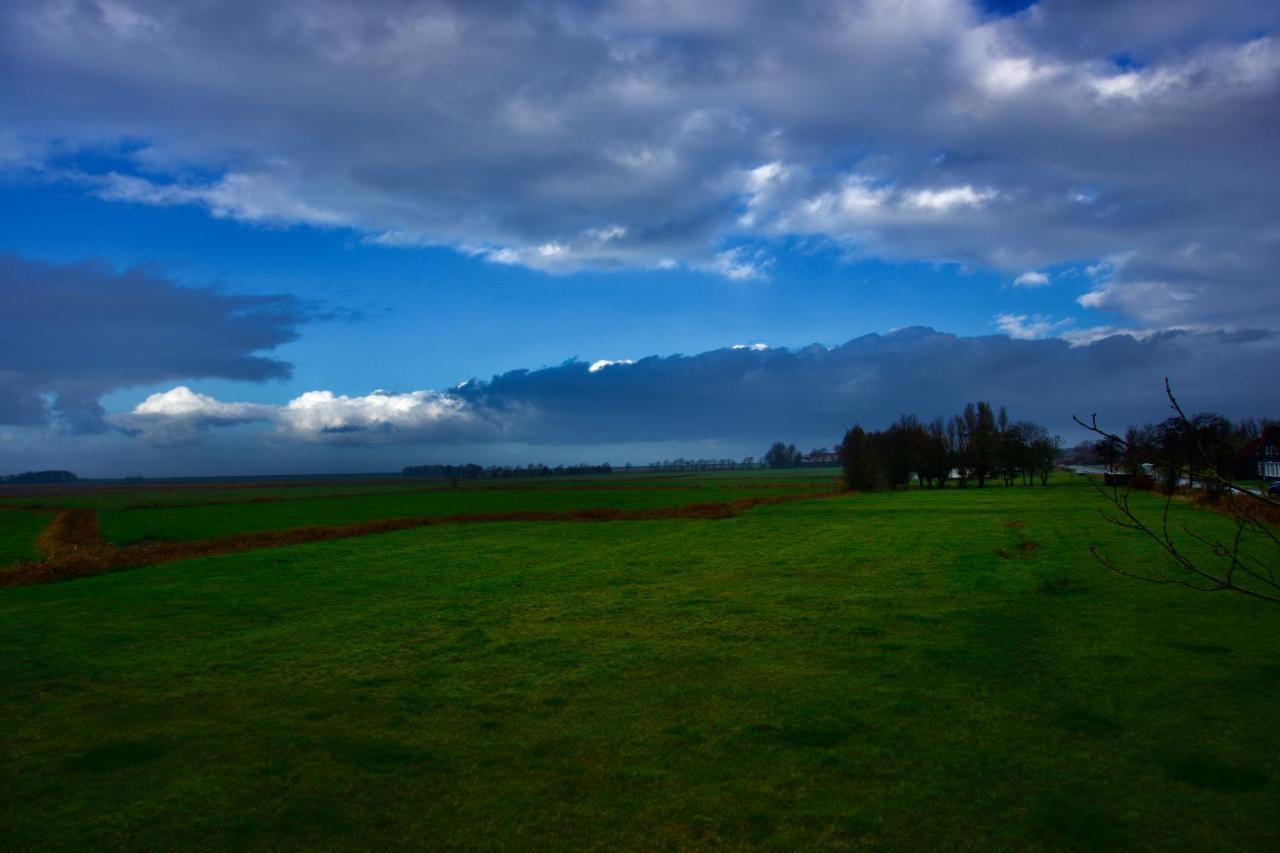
[[951, 198], [1031, 279], [381, 416], [741, 397], [1084, 337], [601, 364], [71, 333], [1024, 328], [740, 264], [182, 402], [635, 134], [178, 417], [249, 198]]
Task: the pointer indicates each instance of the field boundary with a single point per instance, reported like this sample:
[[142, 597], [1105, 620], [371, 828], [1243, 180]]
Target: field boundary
[[73, 546]]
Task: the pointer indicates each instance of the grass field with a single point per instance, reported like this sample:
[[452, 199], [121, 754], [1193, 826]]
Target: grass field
[[195, 522], [18, 532], [908, 670]]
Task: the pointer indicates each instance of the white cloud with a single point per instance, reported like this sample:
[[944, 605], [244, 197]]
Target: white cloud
[[320, 415], [1233, 70], [179, 416], [507, 256], [1008, 75], [182, 402], [949, 198], [1130, 85], [1084, 337], [606, 234], [761, 177], [398, 239], [1023, 327], [249, 198], [601, 364], [1165, 303], [1028, 328], [1031, 278], [740, 264]]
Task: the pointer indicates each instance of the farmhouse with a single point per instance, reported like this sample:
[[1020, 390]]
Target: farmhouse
[[821, 457], [1269, 454], [1261, 457]]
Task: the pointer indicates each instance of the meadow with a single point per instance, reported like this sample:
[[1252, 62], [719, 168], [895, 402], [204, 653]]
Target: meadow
[[18, 532], [904, 670]]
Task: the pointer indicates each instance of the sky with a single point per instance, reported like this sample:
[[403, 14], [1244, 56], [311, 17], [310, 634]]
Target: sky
[[331, 236]]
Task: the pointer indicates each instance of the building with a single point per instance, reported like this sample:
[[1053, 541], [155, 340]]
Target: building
[[821, 458], [1269, 454], [1260, 458]]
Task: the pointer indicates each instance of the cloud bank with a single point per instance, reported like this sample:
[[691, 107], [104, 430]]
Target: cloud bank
[[71, 333], [742, 396], [652, 134]]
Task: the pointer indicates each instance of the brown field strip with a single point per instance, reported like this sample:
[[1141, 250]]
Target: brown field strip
[[73, 547], [70, 531]]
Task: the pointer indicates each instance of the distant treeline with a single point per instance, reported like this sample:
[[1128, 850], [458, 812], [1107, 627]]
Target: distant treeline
[[476, 472], [681, 465], [976, 446], [56, 476], [675, 465]]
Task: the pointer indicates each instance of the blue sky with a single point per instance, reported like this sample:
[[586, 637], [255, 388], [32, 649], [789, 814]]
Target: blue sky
[[338, 198], [413, 316]]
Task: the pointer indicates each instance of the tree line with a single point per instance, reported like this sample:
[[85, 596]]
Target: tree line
[[980, 445], [495, 472], [679, 465], [52, 476], [1206, 450], [683, 465]]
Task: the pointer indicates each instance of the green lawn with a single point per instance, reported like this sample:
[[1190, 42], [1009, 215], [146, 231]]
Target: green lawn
[[18, 532], [895, 671]]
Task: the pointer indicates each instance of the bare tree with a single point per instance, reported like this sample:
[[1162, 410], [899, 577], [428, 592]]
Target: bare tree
[[1227, 565]]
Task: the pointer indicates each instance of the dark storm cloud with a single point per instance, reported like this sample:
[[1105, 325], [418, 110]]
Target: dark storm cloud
[[70, 333], [816, 393], [745, 395], [646, 133]]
